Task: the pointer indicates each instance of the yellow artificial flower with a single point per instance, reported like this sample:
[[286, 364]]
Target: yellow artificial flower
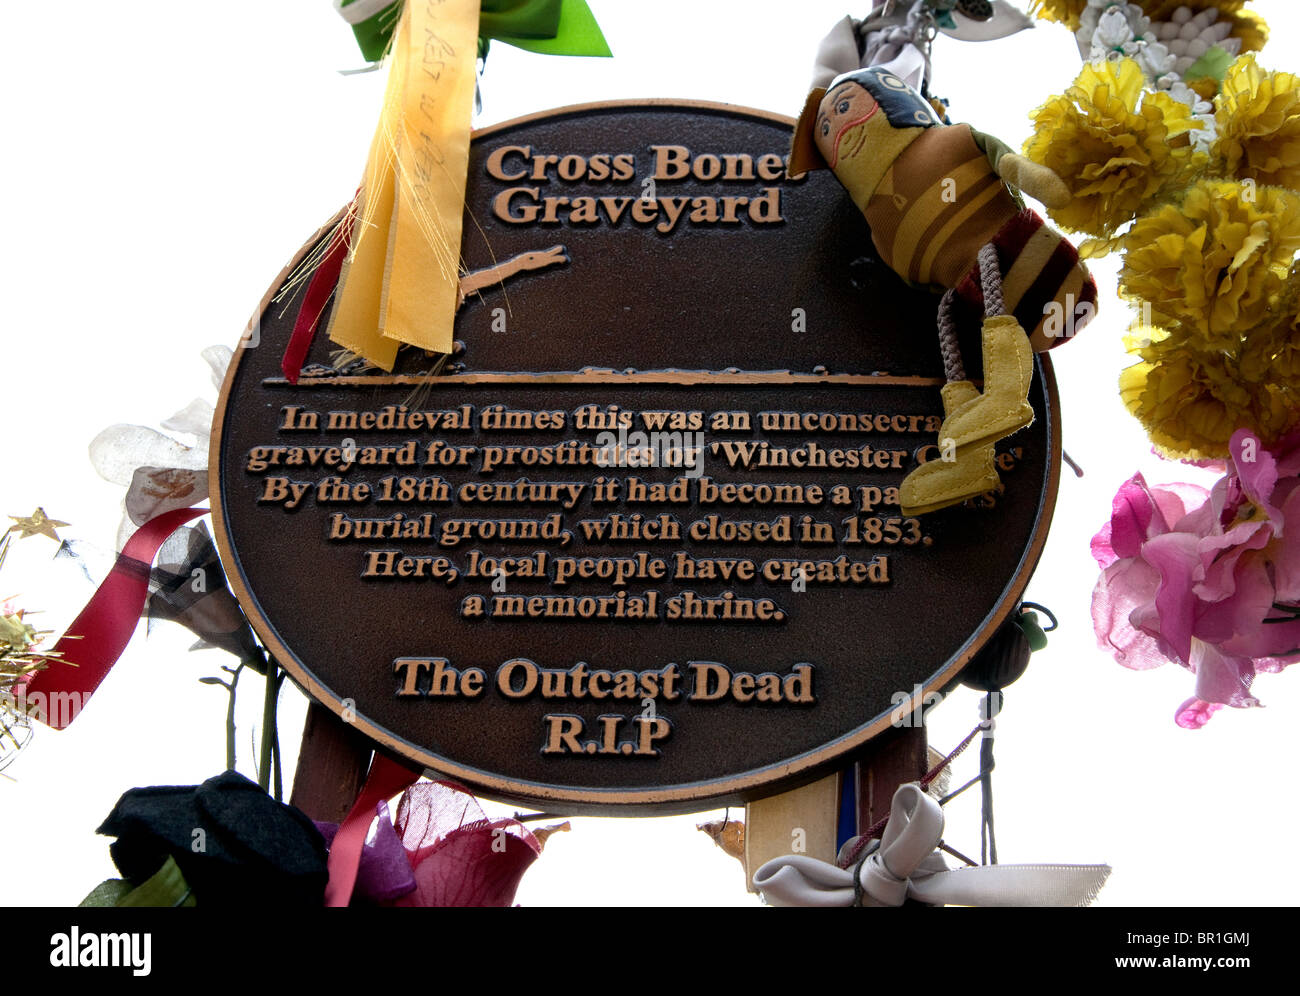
[[1258, 118], [1270, 355], [1286, 366], [1115, 147], [1191, 403], [1260, 354], [1250, 28], [1205, 87], [1213, 265], [1275, 413], [1062, 11]]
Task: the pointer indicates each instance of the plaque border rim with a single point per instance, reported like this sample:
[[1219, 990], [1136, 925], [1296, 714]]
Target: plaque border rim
[[684, 797]]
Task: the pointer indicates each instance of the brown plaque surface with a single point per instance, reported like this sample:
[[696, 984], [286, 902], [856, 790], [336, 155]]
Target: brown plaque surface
[[699, 300]]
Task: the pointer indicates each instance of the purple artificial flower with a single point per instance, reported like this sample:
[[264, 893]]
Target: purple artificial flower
[[1210, 580]]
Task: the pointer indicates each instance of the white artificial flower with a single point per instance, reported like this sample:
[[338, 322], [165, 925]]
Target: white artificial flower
[[120, 450], [1202, 110], [1184, 94], [1156, 60], [1204, 136], [1138, 22], [1113, 31], [1088, 21]]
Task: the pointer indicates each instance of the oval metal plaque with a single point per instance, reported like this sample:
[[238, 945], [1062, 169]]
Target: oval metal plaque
[[639, 546]]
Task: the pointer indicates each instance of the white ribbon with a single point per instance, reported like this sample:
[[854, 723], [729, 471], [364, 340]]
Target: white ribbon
[[894, 37], [1006, 21], [361, 10], [908, 865], [837, 54]]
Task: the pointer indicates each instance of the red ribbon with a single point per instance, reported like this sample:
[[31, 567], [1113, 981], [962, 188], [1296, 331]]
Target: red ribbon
[[322, 285], [386, 779], [101, 631]]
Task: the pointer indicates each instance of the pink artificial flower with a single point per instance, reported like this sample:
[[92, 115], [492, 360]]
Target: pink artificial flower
[[1126, 592], [443, 851], [1193, 714], [1207, 579], [457, 855]]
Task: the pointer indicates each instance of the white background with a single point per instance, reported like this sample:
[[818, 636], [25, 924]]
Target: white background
[[163, 162]]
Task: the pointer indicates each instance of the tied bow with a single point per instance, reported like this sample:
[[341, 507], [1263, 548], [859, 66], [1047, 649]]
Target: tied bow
[[908, 865], [392, 262], [896, 35], [548, 27]]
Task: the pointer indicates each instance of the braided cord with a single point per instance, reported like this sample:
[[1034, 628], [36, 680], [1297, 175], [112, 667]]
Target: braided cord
[[952, 366], [991, 281]]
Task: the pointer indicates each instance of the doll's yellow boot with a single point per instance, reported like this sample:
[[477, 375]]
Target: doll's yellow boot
[[1002, 408], [941, 483]]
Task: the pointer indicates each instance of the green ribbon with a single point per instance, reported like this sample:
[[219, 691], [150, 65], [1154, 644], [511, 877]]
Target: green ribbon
[[548, 27], [165, 887], [374, 33], [519, 18]]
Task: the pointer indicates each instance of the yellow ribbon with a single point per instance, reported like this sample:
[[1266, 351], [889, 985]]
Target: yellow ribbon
[[400, 283]]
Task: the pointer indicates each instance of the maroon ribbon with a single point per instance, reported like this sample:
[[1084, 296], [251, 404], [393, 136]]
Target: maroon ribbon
[[92, 644], [386, 779], [322, 285]]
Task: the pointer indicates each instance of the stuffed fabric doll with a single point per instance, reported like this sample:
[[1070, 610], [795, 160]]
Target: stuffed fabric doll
[[942, 211]]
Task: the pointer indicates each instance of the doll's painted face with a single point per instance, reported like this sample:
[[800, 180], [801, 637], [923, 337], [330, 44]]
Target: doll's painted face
[[840, 133]]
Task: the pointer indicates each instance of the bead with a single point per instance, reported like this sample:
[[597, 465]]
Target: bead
[[1000, 661]]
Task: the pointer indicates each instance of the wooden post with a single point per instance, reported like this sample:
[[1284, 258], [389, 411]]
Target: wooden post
[[897, 756], [801, 821], [332, 766], [894, 758]]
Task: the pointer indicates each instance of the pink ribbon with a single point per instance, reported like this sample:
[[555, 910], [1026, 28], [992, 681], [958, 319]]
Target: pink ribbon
[[386, 779], [93, 643], [322, 285]]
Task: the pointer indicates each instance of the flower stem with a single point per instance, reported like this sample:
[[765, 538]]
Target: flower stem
[[277, 775], [268, 723], [230, 717]]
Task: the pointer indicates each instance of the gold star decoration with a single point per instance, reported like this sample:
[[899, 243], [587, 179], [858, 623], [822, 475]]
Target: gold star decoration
[[36, 523]]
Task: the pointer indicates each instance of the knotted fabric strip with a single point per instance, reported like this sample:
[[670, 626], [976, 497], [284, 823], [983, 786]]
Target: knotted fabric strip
[[361, 10], [319, 291], [94, 641], [386, 778], [898, 35], [908, 865]]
